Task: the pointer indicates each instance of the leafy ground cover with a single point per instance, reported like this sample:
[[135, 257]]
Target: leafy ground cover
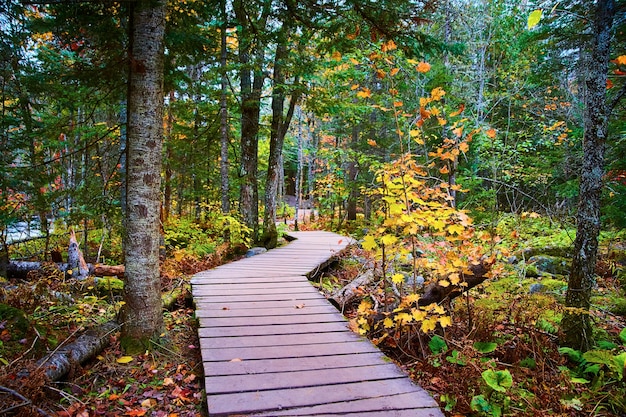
[[48, 311], [499, 355]]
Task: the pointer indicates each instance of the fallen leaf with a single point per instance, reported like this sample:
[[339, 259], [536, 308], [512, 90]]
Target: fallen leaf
[[125, 359], [235, 360], [148, 403], [299, 305], [168, 381]]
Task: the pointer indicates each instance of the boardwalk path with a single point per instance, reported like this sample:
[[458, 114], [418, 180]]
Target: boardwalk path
[[273, 346]]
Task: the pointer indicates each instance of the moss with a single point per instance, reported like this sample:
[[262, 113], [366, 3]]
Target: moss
[[16, 322], [552, 284], [108, 284]]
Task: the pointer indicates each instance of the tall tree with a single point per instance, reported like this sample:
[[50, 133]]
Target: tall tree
[[576, 321], [142, 315]]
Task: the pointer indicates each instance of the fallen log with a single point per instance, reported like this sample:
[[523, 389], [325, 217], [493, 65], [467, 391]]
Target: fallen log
[[349, 292], [60, 362], [435, 293], [20, 269]]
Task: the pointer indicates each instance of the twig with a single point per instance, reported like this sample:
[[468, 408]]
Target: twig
[[21, 397], [25, 353], [65, 394]]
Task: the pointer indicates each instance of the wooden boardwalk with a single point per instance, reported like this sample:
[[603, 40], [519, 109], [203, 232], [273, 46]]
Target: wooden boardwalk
[[273, 346]]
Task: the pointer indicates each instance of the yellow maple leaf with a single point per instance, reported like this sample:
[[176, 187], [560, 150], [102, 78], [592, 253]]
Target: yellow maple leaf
[[397, 278], [125, 359], [388, 323], [403, 318], [389, 239], [445, 321], [369, 242], [418, 315], [455, 229], [429, 324], [454, 278], [354, 86], [464, 147]]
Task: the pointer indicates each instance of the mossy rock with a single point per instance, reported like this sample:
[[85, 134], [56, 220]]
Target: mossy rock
[[16, 324], [554, 265], [531, 271], [109, 284]]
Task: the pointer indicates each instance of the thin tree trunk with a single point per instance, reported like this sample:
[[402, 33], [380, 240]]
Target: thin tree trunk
[[576, 322], [142, 315]]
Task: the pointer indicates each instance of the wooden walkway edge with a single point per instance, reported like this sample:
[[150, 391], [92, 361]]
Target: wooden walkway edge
[[272, 345]]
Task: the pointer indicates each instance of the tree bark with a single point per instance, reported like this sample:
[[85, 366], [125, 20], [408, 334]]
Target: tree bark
[[142, 315], [224, 167], [251, 78], [576, 323], [280, 124]]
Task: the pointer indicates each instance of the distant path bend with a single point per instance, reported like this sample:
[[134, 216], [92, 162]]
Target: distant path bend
[[272, 345]]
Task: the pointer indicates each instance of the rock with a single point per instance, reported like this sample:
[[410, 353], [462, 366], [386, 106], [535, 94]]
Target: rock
[[255, 251], [535, 288], [551, 264]]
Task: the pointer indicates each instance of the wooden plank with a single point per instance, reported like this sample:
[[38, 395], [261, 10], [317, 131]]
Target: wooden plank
[[209, 303], [303, 363], [220, 292], [299, 379], [278, 329], [271, 320], [312, 295], [247, 403], [291, 310], [400, 405], [276, 352], [274, 340]]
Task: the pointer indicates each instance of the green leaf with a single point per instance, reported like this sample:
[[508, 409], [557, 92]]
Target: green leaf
[[437, 345], [498, 380], [456, 358], [606, 345], [573, 354], [534, 17], [485, 347], [622, 335]]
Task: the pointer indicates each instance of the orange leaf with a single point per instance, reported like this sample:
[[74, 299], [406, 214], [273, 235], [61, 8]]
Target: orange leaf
[[397, 104], [459, 111], [394, 71], [354, 86], [336, 56], [380, 74], [444, 170], [364, 93], [491, 133], [371, 142], [609, 84], [423, 67], [620, 60]]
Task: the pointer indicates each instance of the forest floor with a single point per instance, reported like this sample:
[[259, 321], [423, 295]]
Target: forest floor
[[499, 326]]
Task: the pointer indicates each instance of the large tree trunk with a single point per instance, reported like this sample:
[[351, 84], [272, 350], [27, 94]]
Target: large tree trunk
[[142, 315], [250, 109], [576, 322], [224, 184], [280, 124]]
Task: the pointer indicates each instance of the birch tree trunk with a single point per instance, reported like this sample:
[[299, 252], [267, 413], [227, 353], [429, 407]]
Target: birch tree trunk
[[142, 315], [576, 322]]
